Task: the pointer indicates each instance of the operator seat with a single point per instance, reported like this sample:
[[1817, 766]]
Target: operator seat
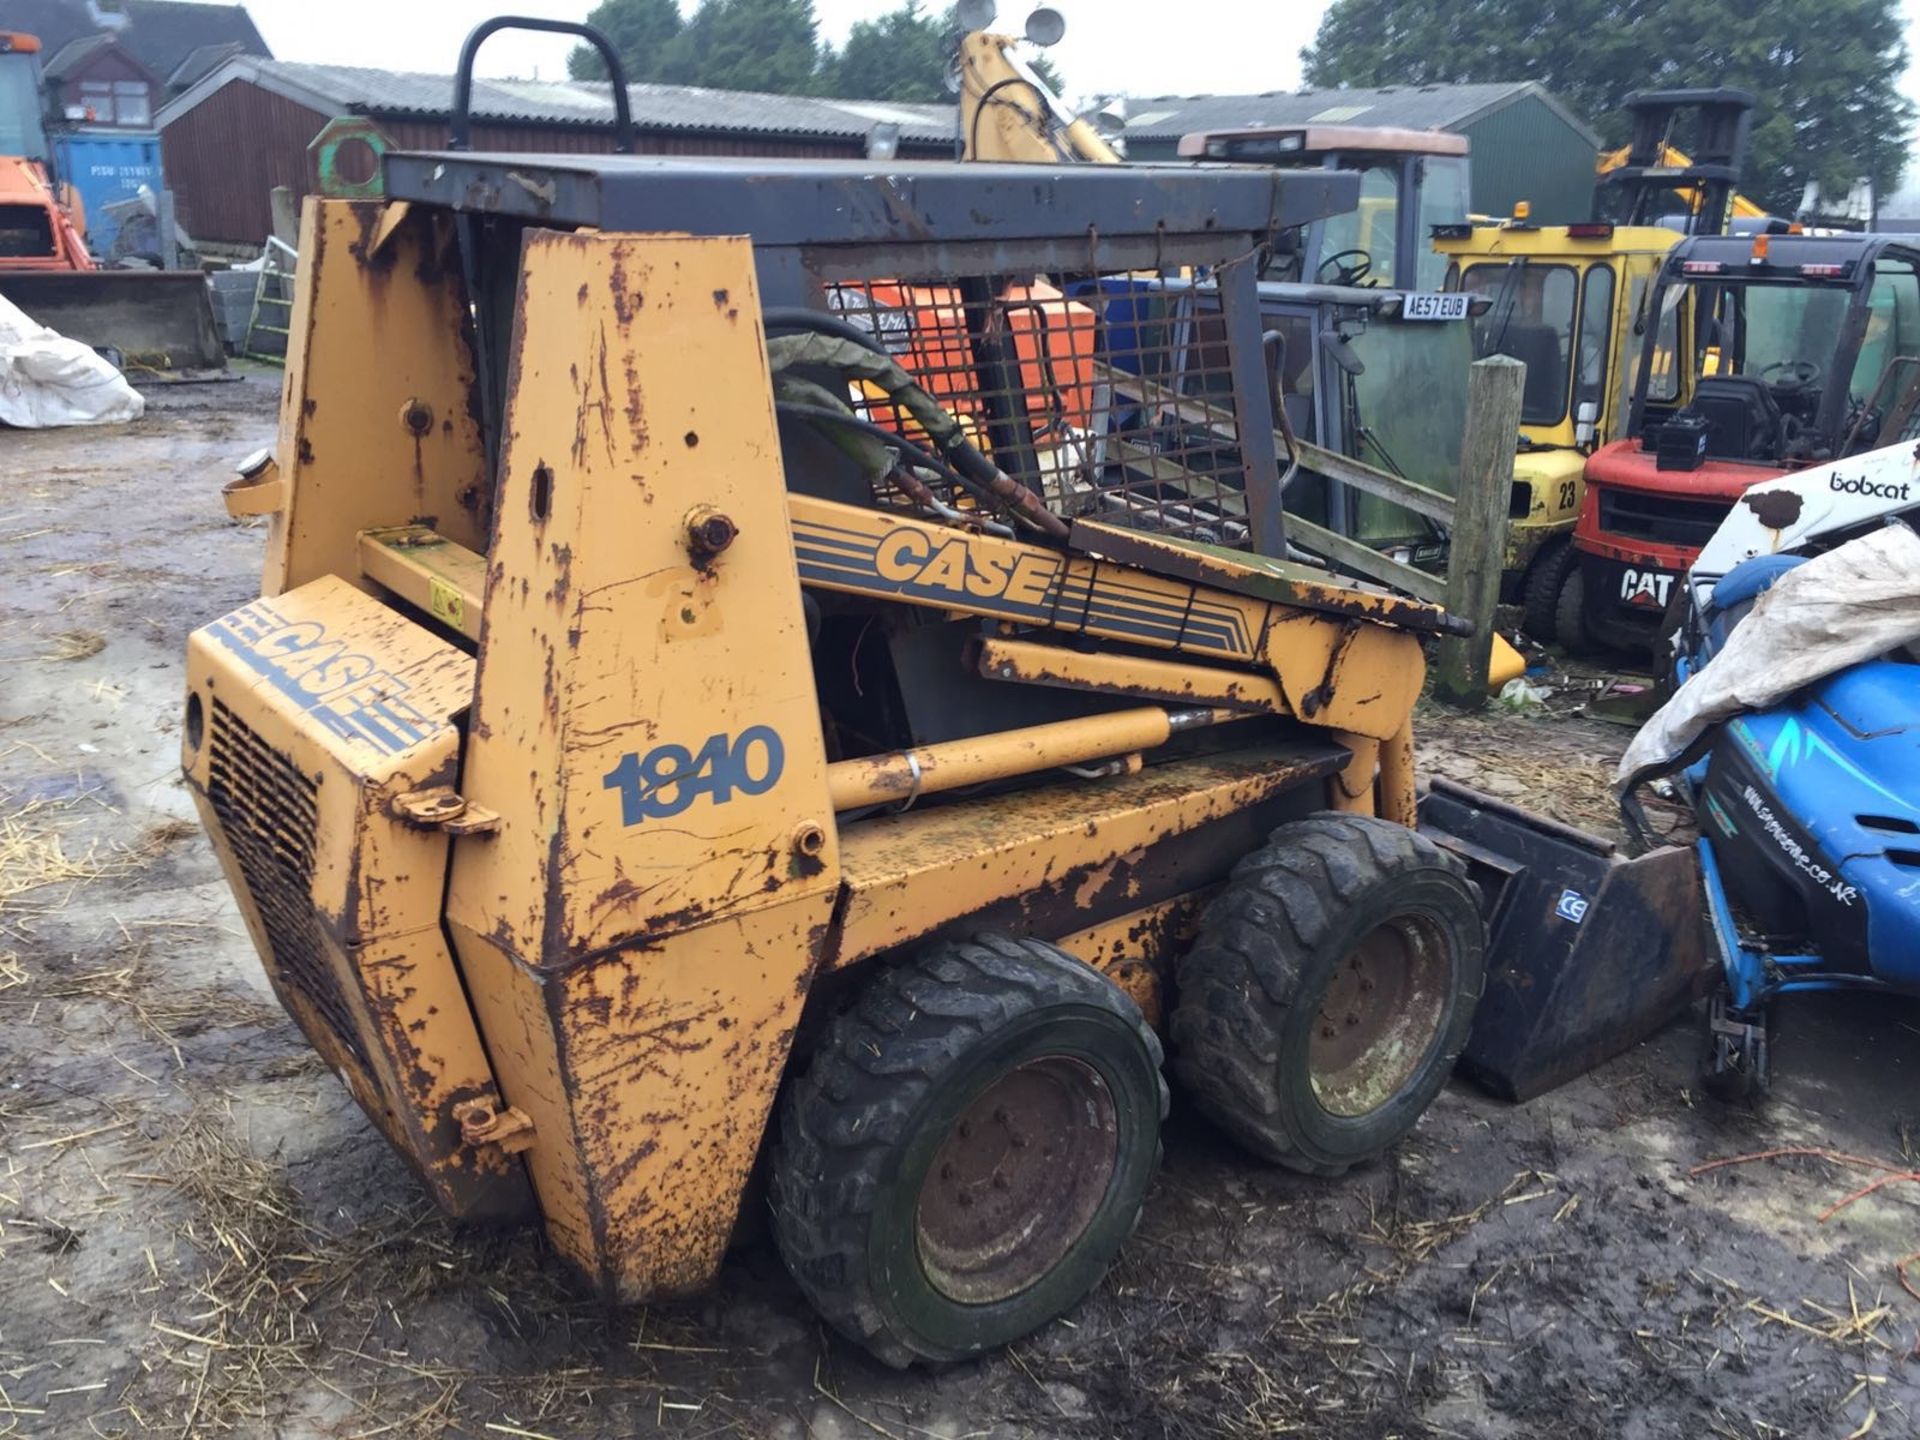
[[1539, 347], [1743, 419]]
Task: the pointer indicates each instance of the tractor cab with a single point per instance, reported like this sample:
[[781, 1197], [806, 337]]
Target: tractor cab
[[1410, 181], [1761, 355]]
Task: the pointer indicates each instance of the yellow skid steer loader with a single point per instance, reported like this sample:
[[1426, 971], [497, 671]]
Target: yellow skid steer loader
[[670, 736]]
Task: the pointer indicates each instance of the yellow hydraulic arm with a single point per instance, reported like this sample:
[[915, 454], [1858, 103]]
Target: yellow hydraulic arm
[[1613, 159], [1007, 112]]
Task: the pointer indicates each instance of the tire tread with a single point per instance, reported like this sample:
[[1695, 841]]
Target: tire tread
[[1257, 945], [852, 1107]]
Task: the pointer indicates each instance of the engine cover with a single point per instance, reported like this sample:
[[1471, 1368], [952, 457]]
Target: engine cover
[[309, 715]]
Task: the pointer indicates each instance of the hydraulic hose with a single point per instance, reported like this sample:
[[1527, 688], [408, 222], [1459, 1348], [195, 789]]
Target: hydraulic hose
[[823, 347], [795, 317]]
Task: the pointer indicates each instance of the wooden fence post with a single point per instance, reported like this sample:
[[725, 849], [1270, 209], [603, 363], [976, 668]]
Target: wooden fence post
[[1479, 539]]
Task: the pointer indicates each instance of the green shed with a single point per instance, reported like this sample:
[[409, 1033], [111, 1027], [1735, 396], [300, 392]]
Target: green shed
[[1526, 145]]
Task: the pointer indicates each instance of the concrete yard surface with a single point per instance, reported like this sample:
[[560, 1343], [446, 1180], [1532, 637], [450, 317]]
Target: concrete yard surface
[[200, 1234]]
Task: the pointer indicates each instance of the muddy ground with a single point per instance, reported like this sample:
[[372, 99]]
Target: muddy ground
[[200, 1234]]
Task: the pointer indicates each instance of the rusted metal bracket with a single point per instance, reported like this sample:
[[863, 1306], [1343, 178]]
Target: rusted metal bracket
[[1318, 698], [441, 807], [487, 1125], [258, 489]]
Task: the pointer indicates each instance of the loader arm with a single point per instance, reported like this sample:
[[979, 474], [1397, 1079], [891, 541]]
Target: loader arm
[[1007, 112], [1322, 650]]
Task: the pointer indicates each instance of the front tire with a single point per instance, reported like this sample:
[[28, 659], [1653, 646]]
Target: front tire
[[1330, 990], [969, 1148], [1540, 601], [1570, 613]]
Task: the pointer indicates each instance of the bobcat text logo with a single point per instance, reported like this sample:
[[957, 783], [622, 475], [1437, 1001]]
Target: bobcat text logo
[[1643, 587], [1860, 485], [908, 557]]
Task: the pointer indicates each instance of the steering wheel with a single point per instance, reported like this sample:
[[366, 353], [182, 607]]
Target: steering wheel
[[1795, 376], [1350, 267]]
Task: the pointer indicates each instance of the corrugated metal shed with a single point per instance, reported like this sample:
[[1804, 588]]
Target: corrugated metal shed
[[245, 127], [354, 90], [1526, 144]]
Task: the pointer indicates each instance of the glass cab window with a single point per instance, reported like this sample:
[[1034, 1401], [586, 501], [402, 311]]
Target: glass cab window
[[1532, 320], [20, 128], [1893, 325], [1369, 228], [1596, 336], [1443, 201]]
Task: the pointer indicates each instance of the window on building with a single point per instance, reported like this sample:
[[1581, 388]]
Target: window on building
[[117, 102]]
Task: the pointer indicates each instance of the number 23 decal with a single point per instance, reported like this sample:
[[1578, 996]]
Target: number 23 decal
[[668, 778]]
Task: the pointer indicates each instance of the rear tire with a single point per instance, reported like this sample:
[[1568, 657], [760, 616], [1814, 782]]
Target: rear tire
[[1539, 607], [968, 1150], [1570, 612], [1330, 990], [1737, 1068]]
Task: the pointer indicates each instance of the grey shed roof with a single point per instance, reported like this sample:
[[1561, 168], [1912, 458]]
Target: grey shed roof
[[350, 89], [159, 33], [1414, 107], [73, 54]]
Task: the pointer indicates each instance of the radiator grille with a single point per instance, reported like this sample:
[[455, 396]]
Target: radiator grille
[[1666, 519], [269, 813]]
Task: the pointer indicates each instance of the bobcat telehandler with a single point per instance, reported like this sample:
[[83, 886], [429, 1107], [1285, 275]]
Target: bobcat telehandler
[[672, 748]]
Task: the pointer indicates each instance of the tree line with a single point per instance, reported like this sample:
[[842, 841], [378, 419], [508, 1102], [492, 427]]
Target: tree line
[[775, 45], [1825, 74]]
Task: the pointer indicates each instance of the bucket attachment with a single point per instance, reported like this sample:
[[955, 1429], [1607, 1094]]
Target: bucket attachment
[[156, 319], [1589, 951]]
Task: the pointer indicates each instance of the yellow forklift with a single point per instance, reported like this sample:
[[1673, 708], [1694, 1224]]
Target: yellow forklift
[[1571, 301], [681, 760]]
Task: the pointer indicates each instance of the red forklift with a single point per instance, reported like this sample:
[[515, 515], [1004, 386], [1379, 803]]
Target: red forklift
[[1760, 353], [1763, 354]]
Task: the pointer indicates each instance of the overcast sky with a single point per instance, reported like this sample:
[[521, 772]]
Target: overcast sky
[[1140, 47]]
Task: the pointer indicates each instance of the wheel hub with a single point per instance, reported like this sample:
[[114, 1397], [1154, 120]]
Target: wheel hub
[[1379, 1015], [1017, 1180]]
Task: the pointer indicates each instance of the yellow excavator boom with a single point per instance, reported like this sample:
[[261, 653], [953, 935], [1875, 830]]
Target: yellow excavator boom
[[1612, 160]]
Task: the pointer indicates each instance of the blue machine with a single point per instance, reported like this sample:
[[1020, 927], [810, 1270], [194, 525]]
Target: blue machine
[[1809, 817], [106, 166]]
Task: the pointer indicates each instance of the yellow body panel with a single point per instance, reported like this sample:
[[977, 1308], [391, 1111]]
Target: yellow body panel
[[1136, 950], [1061, 854], [309, 715], [375, 424], [650, 968]]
